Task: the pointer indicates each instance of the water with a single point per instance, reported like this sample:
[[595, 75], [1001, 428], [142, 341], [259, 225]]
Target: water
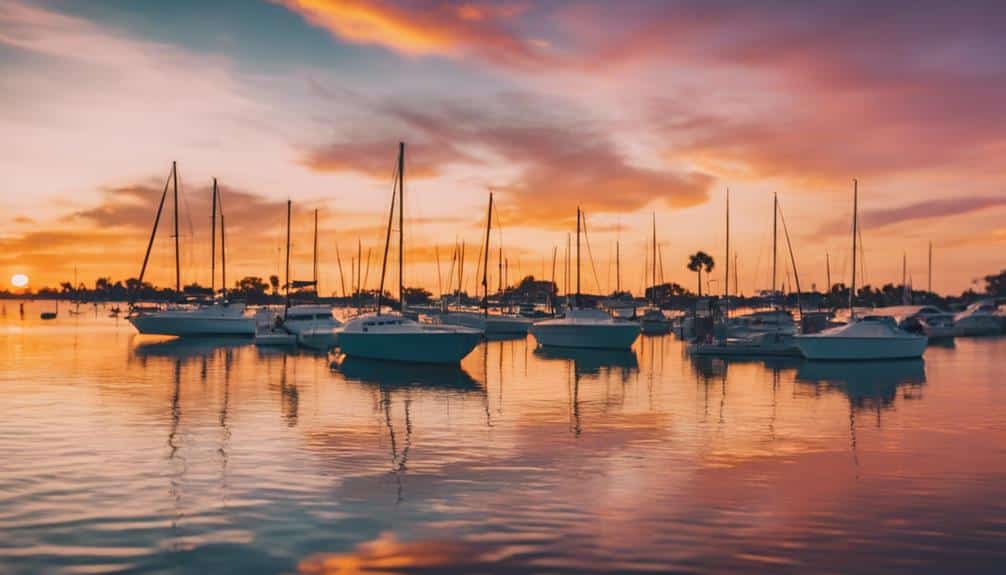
[[127, 454]]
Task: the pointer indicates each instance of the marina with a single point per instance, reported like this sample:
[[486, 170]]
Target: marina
[[471, 287], [214, 455]]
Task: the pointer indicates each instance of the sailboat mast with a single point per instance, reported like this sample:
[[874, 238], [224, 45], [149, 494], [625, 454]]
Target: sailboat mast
[[618, 268], [654, 263], [827, 269], [929, 286], [726, 277], [178, 259], [315, 260], [565, 273], [401, 225], [153, 232], [387, 238], [485, 265], [576, 299], [213, 242], [289, 212], [338, 261], [904, 278], [775, 241], [223, 255], [855, 231]]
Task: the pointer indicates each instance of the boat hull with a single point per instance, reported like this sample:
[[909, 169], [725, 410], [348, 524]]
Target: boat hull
[[441, 347], [601, 336], [977, 326], [182, 326], [490, 325], [782, 348], [322, 339], [860, 348]]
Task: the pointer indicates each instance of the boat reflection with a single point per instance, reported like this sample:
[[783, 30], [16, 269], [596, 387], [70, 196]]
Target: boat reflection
[[391, 375], [867, 384], [592, 361], [186, 347], [505, 336]]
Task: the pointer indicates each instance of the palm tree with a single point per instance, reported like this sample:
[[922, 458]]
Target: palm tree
[[699, 261], [274, 283]]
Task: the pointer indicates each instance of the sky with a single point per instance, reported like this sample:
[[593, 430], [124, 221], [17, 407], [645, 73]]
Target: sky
[[635, 111]]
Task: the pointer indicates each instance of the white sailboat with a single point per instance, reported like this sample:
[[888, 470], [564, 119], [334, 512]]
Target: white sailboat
[[312, 324], [872, 337], [585, 328], [653, 321], [392, 336], [482, 320], [219, 317]]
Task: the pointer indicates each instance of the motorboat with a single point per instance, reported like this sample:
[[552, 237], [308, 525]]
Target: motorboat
[[869, 338], [909, 317], [586, 328], [938, 325], [758, 345], [489, 324], [393, 337], [313, 325], [979, 318], [219, 318], [654, 322], [274, 336], [761, 322]]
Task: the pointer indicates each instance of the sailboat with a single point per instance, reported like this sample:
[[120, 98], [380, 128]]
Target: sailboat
[[393, 336], [872, 337], [582, 327], [217, 318], [653, 321], [757, 334], [274, 331], [490, 324], [313, 324]]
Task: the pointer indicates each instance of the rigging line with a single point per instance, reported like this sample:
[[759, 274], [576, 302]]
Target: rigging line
[[792, 258], [586, 239]]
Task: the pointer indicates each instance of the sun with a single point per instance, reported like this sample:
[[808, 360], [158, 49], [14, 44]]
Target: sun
[[19, 280]]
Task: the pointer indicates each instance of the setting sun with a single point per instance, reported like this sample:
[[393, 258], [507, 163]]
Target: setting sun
[[19, 280]]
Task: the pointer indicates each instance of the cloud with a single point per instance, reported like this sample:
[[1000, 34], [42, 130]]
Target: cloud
[[561, 160], [924, 210], [428, 27]]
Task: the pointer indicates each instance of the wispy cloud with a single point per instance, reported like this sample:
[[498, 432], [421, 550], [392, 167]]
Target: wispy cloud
[[561, 161], [924, 210]]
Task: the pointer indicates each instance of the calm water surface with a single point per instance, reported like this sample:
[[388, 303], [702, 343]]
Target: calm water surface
[[121, 453]]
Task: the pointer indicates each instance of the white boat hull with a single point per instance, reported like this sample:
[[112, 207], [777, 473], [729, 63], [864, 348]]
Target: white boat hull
[[491, 324], [860, 348], [620, 335], [273, 339], [183, 325], [427, 346], [322, 339]]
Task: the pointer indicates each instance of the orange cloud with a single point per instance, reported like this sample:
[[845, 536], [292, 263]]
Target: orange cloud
[[425, 27], [561, 161]]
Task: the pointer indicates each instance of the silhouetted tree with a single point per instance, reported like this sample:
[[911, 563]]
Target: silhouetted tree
[[417, 296], [995, 284], [274, 282], [700, 261]]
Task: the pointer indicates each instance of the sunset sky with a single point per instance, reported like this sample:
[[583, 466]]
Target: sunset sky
[[625, 108]]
